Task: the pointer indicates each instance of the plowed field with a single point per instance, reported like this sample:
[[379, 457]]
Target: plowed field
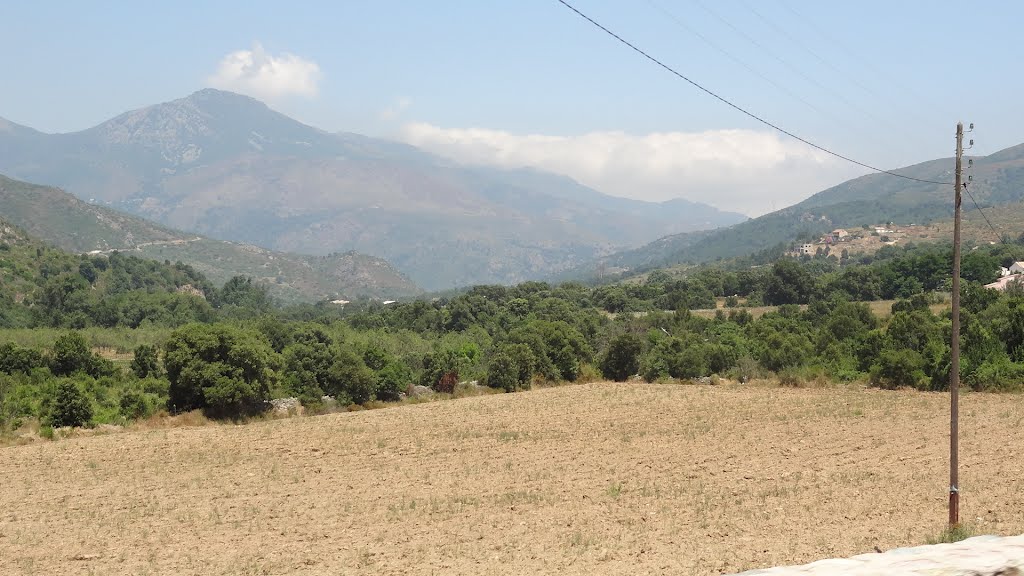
[[591, 479]]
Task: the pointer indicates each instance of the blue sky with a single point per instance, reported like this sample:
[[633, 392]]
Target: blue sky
[[529, 83]]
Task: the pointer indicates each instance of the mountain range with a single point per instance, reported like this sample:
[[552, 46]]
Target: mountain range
[[228, 167], [996, 180], [61, 220]]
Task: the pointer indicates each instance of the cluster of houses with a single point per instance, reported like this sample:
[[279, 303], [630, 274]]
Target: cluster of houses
[[832, 238], [839, 236], [1007, 276]]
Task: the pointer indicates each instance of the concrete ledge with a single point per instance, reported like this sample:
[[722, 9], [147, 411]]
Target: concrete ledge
[[978, 556]]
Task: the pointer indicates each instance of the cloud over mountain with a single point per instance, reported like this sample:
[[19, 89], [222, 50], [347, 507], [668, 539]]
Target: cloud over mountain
[[259, 73], [743, 170]]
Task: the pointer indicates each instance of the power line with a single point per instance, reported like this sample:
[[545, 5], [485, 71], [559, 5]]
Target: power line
[[848, 77], [835, 93], [739, 108], [892, 80], [682, 24], [982, 212]]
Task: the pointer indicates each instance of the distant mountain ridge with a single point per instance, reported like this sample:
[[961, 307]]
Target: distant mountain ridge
[[227, 166], [997, 179], [68, 223]]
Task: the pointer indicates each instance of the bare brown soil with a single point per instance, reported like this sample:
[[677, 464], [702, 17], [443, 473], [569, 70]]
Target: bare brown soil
[[591, 479]]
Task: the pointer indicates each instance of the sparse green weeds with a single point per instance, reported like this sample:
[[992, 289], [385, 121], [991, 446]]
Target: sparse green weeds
[[614, 490], [953, 534]]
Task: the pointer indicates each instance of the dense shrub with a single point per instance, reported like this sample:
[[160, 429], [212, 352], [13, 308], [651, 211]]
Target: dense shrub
[[349, 378], [441, 369], [622, 358], [69, 406], [896, 368], [502, 372], [71, 355], [16, 359], [675, 357], [135, 404], [223, 370], [145, 361], [392, 380], [997, 375], [307, 363], [780, 351]]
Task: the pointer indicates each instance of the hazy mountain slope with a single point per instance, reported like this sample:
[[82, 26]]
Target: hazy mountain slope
[[227, 166], [61, 219], [998, 179]]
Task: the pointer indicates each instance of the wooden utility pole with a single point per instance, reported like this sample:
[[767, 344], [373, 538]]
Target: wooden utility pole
[[954, 369]]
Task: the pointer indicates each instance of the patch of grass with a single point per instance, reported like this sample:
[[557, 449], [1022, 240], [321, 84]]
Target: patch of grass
[[615, 490], [508, 436], [953, 534]]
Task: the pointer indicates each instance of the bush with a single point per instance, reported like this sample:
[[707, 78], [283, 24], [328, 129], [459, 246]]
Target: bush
[[783, 351], [135, 404], [502, 372], [71, 354], [145, 362], [622, 358], [677, 358], [896, 368], [350, 378], [14, 358], [441, 369], [997, 375], [69, 405], [220, 369], [392, 380]]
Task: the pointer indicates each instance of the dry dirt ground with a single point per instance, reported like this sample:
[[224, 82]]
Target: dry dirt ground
[[591, 479]]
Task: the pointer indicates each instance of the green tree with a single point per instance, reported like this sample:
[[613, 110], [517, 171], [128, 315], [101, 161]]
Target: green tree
[[71, 354], [16, 359], [69, 405], [788, 283], [502, 372], [88, 271], [392, 380], [134, 404], [349, 377], [242, 293], [307, 363], [622, 358], [221, 369], [145, 361]]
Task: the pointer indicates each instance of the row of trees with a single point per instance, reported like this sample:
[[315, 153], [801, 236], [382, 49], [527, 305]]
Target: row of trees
[[241, 351]]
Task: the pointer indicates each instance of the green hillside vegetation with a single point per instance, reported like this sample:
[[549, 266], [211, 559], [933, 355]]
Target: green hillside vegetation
[[237, 351], [42, 286], [998, 179], [62, 220]]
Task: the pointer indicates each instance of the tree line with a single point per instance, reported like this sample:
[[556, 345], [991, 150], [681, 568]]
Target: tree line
[[243, 351]]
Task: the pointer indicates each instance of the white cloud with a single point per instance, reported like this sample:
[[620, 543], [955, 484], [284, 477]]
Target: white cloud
[[263, 75], [743, 170]]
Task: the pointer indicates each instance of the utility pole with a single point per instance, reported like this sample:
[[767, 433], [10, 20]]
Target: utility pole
[[954, 370]]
